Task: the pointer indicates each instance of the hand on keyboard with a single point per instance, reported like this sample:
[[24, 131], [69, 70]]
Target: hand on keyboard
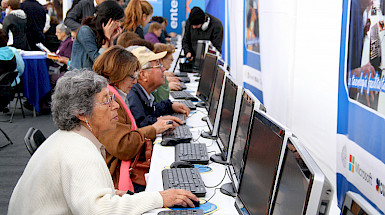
[[163, 125], [180, 197], [180, 108], [176, 120]]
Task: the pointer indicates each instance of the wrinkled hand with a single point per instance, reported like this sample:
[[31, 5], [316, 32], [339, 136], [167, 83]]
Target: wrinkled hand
[[178, 197], [180, 108], [176, 120], [174, 86], [162, 125]]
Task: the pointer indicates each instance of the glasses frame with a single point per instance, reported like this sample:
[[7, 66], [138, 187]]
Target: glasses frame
[[109, 102]]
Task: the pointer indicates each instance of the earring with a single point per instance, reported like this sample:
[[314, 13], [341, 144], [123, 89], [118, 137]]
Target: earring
[[88, 124]]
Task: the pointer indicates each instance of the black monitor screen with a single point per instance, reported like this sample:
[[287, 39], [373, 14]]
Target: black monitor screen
[[241, 134], [258, 177], [199, 55], [293, 184], [216, 94], [208, 73], [227, 113]]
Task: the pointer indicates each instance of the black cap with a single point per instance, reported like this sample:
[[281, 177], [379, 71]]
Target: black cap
[[110, 9], [197, 16]]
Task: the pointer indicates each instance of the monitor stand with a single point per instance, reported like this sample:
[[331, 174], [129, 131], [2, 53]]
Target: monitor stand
[[228, 189], [200, 104], [217, 158], [208, 135]]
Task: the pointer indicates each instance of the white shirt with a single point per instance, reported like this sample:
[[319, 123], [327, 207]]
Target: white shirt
[[67, 175]]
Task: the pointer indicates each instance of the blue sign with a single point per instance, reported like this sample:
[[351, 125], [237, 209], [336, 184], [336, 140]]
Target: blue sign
[[175, 12]]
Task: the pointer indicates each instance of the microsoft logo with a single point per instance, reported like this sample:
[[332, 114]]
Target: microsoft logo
[[351, 163]]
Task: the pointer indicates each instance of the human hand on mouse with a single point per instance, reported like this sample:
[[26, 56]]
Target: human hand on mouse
[[163, 125], [180, 197], [176, 120]]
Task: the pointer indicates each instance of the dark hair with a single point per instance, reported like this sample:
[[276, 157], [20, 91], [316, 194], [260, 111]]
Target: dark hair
[[3, 39], [158, 19], [104, 12], [141, 42], [14, 4]]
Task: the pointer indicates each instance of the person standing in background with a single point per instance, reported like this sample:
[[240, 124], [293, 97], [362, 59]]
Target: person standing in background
[[35, 22], [201, 26]]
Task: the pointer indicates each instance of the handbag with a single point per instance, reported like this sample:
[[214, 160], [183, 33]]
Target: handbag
[[141, 163]]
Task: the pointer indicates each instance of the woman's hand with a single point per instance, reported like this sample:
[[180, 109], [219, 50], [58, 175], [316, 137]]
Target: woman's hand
[[111, 30], [174, 86], [173, 197], [173, 79], [176, 120], [62, 59], [163, 125]]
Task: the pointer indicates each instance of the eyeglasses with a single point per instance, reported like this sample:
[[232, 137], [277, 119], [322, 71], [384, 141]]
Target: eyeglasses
[[109, 101], [132, 77], [157, 66]]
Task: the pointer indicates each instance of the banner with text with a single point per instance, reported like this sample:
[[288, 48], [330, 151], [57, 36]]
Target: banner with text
[[361, 103], [175, 12]]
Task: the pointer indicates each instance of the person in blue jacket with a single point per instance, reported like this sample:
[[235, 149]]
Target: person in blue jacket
[[141, 101]]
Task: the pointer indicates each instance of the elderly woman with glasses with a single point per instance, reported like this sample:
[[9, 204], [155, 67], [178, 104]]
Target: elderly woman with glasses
[[120, 67], [67, 174]]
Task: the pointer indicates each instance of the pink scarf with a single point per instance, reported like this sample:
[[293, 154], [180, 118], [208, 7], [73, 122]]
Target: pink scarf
[[125, 182]]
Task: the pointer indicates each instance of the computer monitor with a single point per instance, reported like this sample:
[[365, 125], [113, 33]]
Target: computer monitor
[[201, 50], [355, 204], [267, 142], [208, 73], [216, 101], [227, 120], [302, 187], [237, 153]]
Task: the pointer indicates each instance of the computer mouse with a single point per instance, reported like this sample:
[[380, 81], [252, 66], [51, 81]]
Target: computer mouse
[[169, 142], [192, 99], [181, 164], [196, 204]]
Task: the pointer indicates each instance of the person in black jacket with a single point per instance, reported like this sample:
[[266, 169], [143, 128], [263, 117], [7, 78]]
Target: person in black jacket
[[16, 22], [80, 11], [141, 101], [35, 22], [201, 26]]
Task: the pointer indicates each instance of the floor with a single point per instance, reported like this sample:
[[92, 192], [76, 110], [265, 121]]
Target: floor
[[13, 158]]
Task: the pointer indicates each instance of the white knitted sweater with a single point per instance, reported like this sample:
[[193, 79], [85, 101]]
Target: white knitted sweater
[[68, 175]]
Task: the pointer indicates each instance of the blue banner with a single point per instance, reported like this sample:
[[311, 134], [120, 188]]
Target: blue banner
[[175, 12]]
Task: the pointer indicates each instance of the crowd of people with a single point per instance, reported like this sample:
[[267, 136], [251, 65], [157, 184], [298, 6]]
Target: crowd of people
[[108, 102]]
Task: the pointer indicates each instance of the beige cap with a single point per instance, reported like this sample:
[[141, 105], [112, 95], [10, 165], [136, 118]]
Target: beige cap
[[145, 55]]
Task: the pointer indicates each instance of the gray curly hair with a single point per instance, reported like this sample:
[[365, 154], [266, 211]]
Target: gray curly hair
[[61, 27], [75, 95]]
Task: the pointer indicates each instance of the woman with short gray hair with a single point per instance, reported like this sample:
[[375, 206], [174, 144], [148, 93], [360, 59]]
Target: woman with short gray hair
[[68, 174], [64, 51]]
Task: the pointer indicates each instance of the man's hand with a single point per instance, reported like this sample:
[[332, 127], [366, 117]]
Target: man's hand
[[173, 197], [174, 86], [180, 108]]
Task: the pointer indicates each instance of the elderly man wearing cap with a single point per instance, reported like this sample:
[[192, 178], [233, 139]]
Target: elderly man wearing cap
[[201, 26], [151, 76]]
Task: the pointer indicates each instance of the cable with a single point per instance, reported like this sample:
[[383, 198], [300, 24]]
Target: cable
[[199, 136], [215, 191], [224, 176]]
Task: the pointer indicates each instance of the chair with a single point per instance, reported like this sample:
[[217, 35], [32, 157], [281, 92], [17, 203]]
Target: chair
[[7, 92], [6, 136], [33, 139]]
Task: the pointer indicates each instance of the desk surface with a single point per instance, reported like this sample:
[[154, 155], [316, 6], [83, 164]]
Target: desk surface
[[163, 156]]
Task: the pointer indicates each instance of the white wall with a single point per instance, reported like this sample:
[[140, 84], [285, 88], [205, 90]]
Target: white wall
[[300, 46]]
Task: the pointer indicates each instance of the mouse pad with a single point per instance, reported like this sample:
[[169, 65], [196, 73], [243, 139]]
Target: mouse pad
[[207, 207], [201, 168]]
